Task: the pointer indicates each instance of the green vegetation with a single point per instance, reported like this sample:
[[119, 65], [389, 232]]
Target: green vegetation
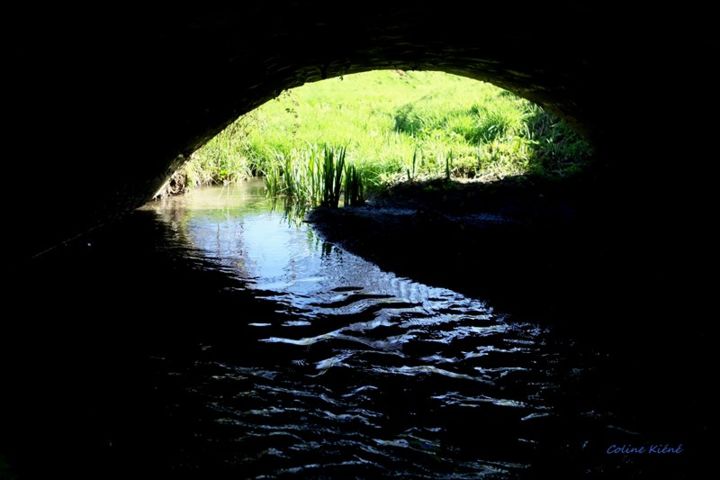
[[314, 176], [365, 132]]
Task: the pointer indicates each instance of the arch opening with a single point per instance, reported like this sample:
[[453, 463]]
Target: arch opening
[[130, 91], [388, 127]]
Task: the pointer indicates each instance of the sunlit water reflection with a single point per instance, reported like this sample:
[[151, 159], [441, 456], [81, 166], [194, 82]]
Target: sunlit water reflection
[[363, 373]]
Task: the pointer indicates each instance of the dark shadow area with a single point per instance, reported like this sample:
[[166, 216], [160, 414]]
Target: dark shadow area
[[530, 244], [82, 396], [120, 360], [137, 357], [552, 249]]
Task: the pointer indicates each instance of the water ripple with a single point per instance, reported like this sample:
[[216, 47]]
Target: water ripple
[[357, 372]]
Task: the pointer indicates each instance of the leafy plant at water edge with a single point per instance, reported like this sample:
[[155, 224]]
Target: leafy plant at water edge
[[354, 194]]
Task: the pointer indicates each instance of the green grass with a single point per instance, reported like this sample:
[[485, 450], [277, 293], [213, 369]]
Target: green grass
[[390, 126]]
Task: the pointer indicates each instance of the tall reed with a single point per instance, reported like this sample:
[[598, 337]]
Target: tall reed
[[333, 167], [354, 194], [315, 176]]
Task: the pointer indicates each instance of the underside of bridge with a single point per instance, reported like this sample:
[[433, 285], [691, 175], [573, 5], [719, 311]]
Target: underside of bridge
[[100, 105]]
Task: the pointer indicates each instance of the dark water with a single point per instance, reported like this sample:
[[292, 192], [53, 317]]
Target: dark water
[[209, 337]]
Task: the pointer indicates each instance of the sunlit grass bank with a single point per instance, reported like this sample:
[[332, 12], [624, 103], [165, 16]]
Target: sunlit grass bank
[[389, 126]]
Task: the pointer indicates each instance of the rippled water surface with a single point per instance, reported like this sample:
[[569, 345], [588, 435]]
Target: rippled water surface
[[331, 367]]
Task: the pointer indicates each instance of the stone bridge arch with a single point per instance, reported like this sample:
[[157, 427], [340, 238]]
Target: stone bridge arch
[[101, 103]]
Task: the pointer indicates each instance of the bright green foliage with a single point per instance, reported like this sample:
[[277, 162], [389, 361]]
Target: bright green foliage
[[393, 126], [313, 176]]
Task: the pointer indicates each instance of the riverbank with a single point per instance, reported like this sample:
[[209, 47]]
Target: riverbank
[[522, 243], [405, 126]]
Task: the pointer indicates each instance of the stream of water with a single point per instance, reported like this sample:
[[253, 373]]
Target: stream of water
[[323, 365]]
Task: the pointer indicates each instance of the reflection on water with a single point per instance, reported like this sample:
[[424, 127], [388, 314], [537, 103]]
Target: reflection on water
[[298, 359], [238, 228], [363, 372]]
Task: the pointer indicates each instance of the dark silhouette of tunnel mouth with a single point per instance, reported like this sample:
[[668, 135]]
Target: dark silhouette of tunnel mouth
[[143, 101], [124, 92], [187, 132]]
